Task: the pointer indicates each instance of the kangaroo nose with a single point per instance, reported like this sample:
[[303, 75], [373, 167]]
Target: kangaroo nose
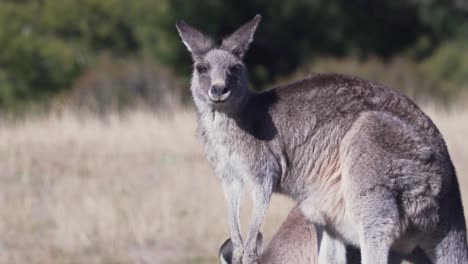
[[218, 89], [219, 92]]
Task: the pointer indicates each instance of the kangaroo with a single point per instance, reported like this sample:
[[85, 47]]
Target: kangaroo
[[294, 243], [363, 162]]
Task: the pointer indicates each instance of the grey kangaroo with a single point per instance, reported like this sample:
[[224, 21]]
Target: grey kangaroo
[[363, 162]]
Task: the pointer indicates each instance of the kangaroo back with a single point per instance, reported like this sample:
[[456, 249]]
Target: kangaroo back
[[295, 241]]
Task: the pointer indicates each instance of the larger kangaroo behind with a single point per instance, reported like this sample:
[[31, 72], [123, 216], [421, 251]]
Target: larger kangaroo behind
[[363, 162]]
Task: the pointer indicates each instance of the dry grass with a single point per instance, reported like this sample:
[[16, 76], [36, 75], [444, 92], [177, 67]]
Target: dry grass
[[127, 189]]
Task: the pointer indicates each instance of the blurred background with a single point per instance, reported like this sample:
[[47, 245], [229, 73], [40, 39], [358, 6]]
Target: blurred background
[[99, 160]]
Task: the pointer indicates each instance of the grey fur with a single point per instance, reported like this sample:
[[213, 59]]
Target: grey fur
[[363, 162]]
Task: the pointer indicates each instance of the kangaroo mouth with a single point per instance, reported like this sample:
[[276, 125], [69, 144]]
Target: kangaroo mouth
[[219, 98]]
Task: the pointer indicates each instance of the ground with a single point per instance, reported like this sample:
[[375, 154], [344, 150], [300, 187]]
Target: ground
[[130, 188]]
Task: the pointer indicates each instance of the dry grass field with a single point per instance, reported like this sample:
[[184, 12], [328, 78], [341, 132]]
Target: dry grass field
[[131, 188]]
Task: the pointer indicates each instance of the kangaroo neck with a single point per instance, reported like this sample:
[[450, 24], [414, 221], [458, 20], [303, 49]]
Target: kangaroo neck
[[254, 119]]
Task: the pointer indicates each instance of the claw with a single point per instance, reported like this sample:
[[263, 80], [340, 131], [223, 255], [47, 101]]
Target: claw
[[250, 259]]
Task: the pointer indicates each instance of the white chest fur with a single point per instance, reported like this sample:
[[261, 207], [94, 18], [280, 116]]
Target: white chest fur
[[222, 147]]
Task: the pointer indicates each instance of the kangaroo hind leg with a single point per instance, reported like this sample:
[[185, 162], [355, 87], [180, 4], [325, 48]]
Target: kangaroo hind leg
[[378, 228]]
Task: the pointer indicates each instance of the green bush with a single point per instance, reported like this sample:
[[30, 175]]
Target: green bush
[[441, 76], [113, 85], [448, 67], [46, 45]]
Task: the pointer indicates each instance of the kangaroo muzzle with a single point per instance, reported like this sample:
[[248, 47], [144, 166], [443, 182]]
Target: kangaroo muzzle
[[219, 93]]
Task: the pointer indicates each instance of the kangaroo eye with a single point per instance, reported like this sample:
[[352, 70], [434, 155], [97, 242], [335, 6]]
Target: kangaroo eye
[[201, 68], [235, 69]]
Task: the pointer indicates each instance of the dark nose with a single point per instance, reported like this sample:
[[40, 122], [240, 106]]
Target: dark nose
[[218, 90]]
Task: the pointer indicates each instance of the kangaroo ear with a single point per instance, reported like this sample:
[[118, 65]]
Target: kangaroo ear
[[238, 42], [194, 40], [225, 252]]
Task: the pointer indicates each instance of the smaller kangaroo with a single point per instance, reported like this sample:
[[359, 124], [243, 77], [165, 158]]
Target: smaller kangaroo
[[294, 243], [363, 162]]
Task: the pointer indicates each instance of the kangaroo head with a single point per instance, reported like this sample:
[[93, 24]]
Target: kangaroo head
[[219, 79], [226, 250]]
